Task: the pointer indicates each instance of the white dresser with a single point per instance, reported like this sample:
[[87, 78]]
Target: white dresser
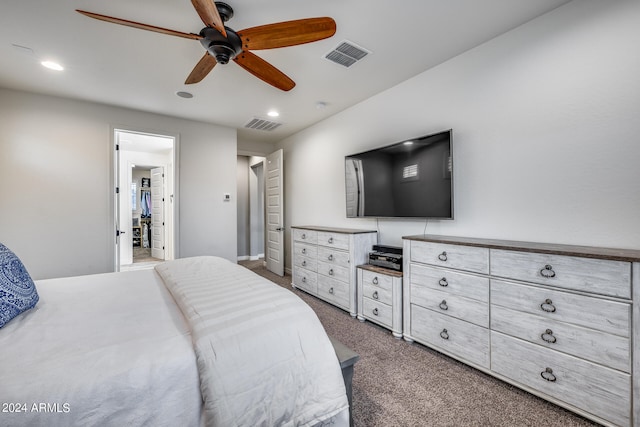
[[325, 259], [558, 321], [380, 297]]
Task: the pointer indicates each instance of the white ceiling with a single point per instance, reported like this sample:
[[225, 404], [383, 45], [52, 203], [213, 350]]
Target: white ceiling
[[128, 67]]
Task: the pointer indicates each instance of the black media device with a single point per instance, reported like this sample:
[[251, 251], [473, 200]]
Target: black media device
[[386, 256]]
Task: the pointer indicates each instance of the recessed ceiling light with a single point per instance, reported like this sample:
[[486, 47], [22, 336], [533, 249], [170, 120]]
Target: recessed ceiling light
[[183, 94], [408, 143], [52, 65], [273, 113]]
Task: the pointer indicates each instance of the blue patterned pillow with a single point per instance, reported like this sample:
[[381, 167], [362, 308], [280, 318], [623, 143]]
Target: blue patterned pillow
[[17, 290]]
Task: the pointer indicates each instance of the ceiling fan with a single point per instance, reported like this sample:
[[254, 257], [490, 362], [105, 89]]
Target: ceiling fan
[[224, 44]]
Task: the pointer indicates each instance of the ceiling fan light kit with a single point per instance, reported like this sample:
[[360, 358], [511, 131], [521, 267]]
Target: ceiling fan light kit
[[222, 44]]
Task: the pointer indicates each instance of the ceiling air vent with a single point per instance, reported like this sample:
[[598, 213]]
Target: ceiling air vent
[[346, 54], [261, 124]]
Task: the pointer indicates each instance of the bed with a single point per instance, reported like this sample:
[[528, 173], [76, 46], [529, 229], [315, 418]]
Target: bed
[[194, 342]]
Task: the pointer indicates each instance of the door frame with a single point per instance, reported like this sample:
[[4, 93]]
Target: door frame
[[171, 252]]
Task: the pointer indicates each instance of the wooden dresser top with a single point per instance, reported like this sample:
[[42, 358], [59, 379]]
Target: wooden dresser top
[[333, 229], [629, 255]]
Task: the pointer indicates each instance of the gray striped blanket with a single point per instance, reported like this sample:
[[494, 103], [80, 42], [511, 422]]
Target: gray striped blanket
[[264, 358]]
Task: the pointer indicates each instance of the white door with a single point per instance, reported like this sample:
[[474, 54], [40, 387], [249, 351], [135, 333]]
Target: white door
[[157, 213], [116, 203], [274, 247]]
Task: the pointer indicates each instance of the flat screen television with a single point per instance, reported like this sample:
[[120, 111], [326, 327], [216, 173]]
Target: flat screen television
[[407, 179]]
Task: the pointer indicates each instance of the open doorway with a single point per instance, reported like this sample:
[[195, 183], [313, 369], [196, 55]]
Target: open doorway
[[250, 208], [260, 210], [145, 199]]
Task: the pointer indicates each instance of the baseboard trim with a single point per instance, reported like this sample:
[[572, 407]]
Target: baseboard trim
[[250, 257]]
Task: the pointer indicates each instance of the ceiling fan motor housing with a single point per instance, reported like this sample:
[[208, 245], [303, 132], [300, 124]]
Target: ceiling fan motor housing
[[222, 48]]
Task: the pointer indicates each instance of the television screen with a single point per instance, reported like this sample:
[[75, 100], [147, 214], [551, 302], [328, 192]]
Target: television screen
[[408, 179]]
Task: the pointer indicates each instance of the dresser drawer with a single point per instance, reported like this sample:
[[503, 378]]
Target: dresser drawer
[[583, 274], [333, 256], [454, 282], [590, 312], [601, 391], [378, 280], [469, 258], [457, 337], [600, 347], [377, 293], [334, 271], [305, 279], [473, 311], [377, 312], [333, 290], [333, 240], [304, 249], [307, 236], [305, 262]]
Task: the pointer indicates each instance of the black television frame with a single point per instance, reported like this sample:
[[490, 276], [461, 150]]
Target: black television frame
[[424, 140]]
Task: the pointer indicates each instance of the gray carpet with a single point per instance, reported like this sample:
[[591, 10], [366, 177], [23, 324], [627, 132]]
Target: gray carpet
[[397, 383]]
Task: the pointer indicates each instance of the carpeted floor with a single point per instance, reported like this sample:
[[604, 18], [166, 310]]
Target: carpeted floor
[[397, 383]]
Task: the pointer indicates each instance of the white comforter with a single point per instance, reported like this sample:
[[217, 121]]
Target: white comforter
[[101, 350], [264, 358]]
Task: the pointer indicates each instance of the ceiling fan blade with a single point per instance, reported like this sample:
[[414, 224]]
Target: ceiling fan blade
[[289, 33], [202, 68], [209, 14], [264, 71], [139, 25]]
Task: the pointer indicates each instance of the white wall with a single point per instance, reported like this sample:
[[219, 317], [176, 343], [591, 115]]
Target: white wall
[[56, 207], [546, 120]]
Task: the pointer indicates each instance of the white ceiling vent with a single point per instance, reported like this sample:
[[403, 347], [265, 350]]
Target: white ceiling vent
[[346, 54], [262, 124]]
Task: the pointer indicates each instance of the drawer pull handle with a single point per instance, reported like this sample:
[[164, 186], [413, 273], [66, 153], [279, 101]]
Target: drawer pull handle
[[548, 336], [304, 250], [330, 257], [444, 334], [547, 374], [304, 263], [304, 280], [547, 272], [442, 256], [375, 311], [331, 272], [304, 236], [331, 291], [330, 240], [375, 280], [375, 295], [548, 306], [443, 282], [443, 305]]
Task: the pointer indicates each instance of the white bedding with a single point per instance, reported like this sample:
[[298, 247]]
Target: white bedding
[[101, 350], [263, 356], [114, 349]]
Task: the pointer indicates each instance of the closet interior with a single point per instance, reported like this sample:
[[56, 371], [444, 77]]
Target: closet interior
[[141, 214]]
